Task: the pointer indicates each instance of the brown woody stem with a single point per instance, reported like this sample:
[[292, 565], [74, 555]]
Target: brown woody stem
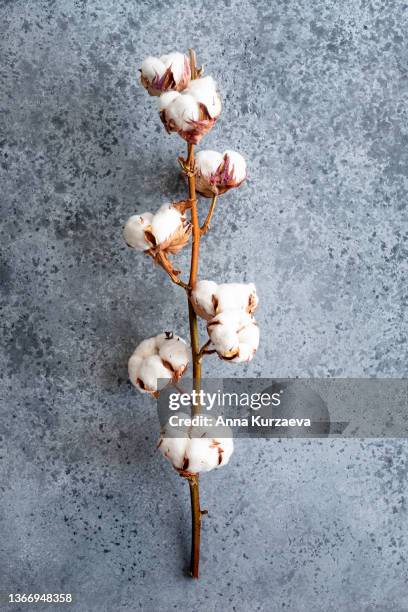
[[206, 225], [188, 167], [195, 524], [195, 344]]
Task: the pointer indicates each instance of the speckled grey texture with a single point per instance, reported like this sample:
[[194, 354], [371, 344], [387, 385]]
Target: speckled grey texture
[[315, 96]]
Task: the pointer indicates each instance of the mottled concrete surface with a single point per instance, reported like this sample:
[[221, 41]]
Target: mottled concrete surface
[[315, 96]]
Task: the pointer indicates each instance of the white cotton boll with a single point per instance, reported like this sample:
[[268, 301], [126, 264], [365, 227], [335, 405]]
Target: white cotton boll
[[183, 110], [208, 453], [151, 371], [202, 298], [165, 356], [237, 165], [152, 67], [232, 296], [166, 99], [208, 162], [217, 173], [204, 91], [196, 450], [201, 455], [192, 113], [176, 353], [175, 61], [209, 299], [165, 222], [167, 73], [134, 231]]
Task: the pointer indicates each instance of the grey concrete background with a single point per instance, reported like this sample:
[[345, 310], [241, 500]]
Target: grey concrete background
[[315, 96]]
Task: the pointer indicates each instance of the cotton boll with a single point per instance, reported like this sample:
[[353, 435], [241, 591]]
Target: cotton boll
[[182, 111], [170, 72], [165, 356], [166, 99], [134, 231], [232, 296], [202, 299], [217, 173], [207, 453], [236, 165], [165, 222], [201, 455], [209, 299], [194, 112], [151, 370], [205, 91], [197, 449], [152, 67]]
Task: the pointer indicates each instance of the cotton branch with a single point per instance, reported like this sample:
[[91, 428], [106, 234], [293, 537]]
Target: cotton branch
[[190, 105], [206, 225]]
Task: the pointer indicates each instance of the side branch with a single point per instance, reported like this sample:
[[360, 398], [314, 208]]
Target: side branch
[[204, 350], [164, 263], [195, 249], [206, 225]]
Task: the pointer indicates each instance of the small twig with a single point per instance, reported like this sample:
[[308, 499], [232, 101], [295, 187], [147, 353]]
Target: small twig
[[206, 225], [164, 263], [187, 165], [183, 205], [204, 350]]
